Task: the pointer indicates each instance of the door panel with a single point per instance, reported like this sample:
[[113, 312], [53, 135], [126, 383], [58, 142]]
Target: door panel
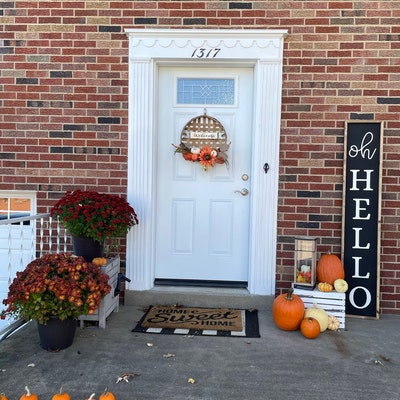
[[202, 224]]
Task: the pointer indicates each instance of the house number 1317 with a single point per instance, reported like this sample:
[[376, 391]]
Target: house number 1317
[[201, 52]]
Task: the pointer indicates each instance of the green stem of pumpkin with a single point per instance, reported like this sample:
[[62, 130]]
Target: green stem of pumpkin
[[289, 294]]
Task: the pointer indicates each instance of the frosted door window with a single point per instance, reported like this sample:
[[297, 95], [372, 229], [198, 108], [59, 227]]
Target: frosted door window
[[206, 91]]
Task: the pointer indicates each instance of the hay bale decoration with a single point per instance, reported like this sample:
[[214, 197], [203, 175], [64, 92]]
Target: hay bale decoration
[[204, 140]]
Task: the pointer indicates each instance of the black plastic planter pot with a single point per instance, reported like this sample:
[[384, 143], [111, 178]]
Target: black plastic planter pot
[[57, 334], [87, 247]]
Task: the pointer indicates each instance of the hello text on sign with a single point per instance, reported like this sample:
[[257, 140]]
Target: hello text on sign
[[361, 217]]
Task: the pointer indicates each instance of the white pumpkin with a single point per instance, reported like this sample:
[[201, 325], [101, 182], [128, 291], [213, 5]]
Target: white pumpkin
[[333, 323], [319, 314], [340, 285]]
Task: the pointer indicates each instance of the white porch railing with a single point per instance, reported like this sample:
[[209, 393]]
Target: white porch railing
[[22, 240]]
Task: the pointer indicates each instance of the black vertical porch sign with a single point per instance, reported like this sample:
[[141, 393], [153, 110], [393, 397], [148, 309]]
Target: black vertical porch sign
[[361, 216]]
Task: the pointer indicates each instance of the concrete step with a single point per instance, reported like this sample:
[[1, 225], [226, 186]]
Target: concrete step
[[197, 297]]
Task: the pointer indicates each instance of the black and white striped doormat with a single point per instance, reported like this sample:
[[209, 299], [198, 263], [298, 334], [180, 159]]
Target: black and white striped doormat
[[249, 329]]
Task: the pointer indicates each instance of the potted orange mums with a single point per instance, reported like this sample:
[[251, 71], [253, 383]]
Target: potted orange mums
[[56, 289]]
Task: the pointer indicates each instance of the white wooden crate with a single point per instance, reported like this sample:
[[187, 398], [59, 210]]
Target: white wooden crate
[[110, 303], [333, 303]]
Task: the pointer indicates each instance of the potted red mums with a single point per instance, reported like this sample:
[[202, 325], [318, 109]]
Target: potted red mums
[[94, 216]]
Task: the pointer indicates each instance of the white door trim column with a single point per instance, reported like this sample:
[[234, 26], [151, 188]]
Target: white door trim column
[[261, 49]]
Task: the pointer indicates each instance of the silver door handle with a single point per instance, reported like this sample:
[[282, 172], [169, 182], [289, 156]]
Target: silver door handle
[[243, 192]]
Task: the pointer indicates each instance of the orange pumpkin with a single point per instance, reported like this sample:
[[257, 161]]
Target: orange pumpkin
[[28, 395], [310, 328], [324, 287], [329, 268], [288, 311], [100, 261], [106, 395], [61, 395], [3, 396]]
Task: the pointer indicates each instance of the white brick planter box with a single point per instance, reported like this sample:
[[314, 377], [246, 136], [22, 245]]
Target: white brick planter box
[[110, 303], [333, 303]]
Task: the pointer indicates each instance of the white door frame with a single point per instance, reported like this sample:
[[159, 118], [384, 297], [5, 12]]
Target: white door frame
[[263, 50]]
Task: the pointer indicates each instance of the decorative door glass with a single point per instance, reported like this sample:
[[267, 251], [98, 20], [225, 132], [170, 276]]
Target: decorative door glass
[[206, 91]]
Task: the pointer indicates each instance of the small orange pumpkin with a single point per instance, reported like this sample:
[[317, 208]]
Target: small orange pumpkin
[[310, 328], [28, 395], [288, 311], [100, 261], [324, 287], [329, 268], [61, 395], [106, 395], [319, 314], [3, 396]]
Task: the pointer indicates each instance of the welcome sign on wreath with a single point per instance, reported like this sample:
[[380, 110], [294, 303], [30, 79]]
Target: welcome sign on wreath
[[204, 140]]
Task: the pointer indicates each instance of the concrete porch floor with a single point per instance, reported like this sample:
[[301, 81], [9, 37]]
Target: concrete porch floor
[[361, 361]]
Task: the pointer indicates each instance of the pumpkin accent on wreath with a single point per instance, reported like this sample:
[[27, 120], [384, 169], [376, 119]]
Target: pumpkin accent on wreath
[[340, 285], [324, 287], [319, 314], [333, 323], [288, 311], [204, 140], [329, 268], [310, 328], [3, 396], [28, 395]]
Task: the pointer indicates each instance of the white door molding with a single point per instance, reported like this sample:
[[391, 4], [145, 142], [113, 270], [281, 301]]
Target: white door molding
[[261, 49]]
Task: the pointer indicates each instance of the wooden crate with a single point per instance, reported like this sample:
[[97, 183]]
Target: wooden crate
[[333, 303], [110, 303]]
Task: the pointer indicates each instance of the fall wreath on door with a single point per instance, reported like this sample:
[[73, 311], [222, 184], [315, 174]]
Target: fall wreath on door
[[204, 140]]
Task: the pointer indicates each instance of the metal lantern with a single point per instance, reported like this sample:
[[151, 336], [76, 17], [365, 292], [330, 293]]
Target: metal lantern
[[305, 260]]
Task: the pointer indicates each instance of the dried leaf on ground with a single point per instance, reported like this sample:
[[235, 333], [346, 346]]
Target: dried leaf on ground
[[126, 376]]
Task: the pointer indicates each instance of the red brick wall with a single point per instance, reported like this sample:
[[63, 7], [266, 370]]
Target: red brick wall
[[63, 99]]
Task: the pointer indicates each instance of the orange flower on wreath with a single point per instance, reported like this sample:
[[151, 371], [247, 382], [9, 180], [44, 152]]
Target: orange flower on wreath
[[207, 157]]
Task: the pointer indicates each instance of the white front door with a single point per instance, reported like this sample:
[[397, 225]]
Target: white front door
[[202, 219], [223, 50]]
